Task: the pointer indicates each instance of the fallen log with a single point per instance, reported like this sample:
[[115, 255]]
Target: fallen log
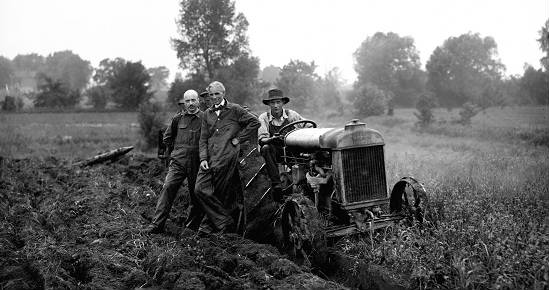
[[112, 155]]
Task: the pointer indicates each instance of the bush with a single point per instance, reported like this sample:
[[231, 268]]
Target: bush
[[98, 96], [9, 104], [369, 100], [425, 105], [467, 112], [54, 93], [150, 117], [19, 103]]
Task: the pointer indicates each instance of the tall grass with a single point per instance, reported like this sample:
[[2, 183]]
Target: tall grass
[[488, 209]]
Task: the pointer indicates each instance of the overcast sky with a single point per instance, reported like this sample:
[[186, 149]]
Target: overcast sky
[[326, 31]]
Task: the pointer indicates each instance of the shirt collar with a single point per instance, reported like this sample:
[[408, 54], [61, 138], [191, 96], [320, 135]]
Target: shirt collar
[[222, 104], [284, 115]]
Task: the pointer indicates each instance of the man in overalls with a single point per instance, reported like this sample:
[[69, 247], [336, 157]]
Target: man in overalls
[[181, 139], [270, 147]]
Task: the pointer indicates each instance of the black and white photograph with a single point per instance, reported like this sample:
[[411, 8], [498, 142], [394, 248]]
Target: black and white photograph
[[274, 144]]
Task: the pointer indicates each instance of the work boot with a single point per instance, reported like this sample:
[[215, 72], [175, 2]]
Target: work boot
[[154, 229]]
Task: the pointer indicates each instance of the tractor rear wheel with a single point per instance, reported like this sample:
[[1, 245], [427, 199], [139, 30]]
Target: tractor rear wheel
[[301, 228]]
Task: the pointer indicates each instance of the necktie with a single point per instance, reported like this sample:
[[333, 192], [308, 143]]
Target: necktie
[[217, 109]]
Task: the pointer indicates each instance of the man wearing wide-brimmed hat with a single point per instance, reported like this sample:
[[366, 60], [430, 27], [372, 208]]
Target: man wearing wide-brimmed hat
[[271, 122]]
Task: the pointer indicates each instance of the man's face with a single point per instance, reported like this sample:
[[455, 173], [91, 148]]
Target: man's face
[[205, 101], [276, 107], [190, 102], [216, 97]]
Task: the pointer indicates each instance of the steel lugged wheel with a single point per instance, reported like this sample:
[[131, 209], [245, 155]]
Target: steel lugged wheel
[[301, 228], [409, 197]]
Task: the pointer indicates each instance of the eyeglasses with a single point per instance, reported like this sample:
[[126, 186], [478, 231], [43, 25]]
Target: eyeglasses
[[214, 94]]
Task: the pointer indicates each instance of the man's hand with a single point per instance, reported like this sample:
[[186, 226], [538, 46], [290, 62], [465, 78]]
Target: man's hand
[[275, 140], [204, 165], [266, 140]]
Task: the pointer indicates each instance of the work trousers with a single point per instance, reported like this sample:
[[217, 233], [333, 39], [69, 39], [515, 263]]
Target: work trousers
[[271, 154], [220, 197], [174, 179]]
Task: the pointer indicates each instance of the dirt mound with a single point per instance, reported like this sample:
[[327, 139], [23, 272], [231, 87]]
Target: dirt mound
[[70, 227]]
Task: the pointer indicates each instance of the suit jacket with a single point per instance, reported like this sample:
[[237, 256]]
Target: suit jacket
[[217, 132]]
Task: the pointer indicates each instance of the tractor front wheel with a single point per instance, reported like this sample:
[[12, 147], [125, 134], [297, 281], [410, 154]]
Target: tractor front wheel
[[409, 198]]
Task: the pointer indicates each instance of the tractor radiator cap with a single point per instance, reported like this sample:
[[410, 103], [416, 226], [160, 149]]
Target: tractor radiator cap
[[355, 124], [355, 134]]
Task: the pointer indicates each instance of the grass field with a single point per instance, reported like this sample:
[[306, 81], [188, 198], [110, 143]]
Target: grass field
[[489, 201], [488, 185], [66, 135]]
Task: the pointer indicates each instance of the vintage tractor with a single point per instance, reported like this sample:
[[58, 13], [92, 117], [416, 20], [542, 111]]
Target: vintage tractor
[[336, 185]]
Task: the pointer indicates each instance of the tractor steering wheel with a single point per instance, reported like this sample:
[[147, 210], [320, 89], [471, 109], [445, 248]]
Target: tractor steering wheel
[[292, 124]]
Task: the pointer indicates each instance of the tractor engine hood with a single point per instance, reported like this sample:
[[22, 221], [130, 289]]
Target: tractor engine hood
[[355, 134]]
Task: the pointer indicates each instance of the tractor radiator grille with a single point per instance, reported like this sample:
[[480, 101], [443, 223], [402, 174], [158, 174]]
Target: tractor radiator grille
[[364, 173]]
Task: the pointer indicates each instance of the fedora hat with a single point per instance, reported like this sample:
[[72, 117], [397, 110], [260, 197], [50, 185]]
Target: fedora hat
[[275, 94]]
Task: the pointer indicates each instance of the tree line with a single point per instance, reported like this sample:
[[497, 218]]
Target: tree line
[[61, 79], [464, 71]]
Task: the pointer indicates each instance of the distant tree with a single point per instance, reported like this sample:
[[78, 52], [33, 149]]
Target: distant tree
[[535, 84], [270, 74], [212, 36], [150, 117], [32, 62], [179, 86], [176, 91], [159, 76], [369, 100], [129, 85], [329, 94], [26, 67], [9, 104], [54, 93], [544, 45], [7, 72], [465, 69], [107, 68], [297, 81], [69, 68], [513, 93], [240, 80], [19, 103], [392, 64], [425, 105], [467, 112], [98, 96]]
